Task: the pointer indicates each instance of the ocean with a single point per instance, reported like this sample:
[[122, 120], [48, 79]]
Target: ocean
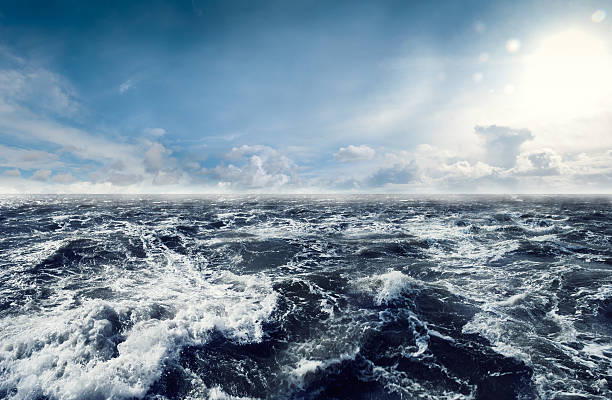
[[305, 297]]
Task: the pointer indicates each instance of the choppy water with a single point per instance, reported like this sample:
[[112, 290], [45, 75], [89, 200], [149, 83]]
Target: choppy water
[[306, 297]]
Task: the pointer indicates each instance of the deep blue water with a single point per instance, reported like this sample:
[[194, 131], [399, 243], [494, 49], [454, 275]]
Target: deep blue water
[[313, 297]]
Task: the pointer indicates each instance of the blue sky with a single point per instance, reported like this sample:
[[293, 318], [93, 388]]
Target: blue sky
[[305, 96]]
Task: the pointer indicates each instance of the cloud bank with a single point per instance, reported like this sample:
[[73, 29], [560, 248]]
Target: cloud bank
[[46, 148]]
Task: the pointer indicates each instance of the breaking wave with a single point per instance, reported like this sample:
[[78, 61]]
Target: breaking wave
[[305, 297]]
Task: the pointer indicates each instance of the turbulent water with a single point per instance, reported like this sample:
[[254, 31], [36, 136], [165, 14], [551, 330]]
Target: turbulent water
[[305, 297]]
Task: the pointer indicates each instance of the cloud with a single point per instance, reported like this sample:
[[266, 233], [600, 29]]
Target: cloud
[[401, 173], [24, 125], [41, 175], [39, 89], [123, 179], [39, 106], [164, 168], [192, 165], [255, 167], [353, 153], [155, 157], [63, 178], [157, 132], [125, 86], [169, 177], [12, 172], [14, 157], [429, 168], [539, 162], [502, 144], [589, 171], [34, 107]]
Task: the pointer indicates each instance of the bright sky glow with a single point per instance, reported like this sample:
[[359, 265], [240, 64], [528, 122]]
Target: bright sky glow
[[598, 16], [513, 45], [568, 74]]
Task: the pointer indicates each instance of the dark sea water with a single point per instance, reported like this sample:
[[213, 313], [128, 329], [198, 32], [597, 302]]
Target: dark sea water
[[371, 297]]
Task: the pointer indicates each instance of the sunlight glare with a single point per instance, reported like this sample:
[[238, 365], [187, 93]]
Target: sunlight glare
[[513, 45], [598, 16], [568, 74]]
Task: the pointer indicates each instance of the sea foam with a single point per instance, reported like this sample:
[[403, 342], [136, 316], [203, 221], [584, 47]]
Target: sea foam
[[117, 350]]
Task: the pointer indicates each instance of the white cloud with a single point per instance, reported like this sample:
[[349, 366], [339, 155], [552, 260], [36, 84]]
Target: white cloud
[[155, 131], [192, 165], [354, 153], [169, 177], [155, 157], [400, 173], [125, 86], [502, 144], [40, 89], [32, 99], [503, 168], [539, 162], [14, 157], [428, 169], [164, 168], [12, 172], [41, 175], [63, 178], [255, 167], [122, 179]]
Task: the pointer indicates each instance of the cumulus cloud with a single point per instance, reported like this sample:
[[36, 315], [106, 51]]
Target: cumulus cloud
[[255, 167], [155, 157], [540, 162], [41, 175], [354, 153], [430, 168], [164, 168], [502, 144]]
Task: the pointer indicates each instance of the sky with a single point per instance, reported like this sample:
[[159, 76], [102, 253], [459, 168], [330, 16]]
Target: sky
[[304, 96]]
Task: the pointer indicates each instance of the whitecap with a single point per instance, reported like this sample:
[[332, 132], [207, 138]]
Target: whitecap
[[388, 286]]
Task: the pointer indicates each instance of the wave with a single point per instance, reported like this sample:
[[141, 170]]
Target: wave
[[306, 297], [119, 349]]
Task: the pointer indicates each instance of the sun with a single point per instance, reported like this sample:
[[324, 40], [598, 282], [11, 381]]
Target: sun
[[568, 75]]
